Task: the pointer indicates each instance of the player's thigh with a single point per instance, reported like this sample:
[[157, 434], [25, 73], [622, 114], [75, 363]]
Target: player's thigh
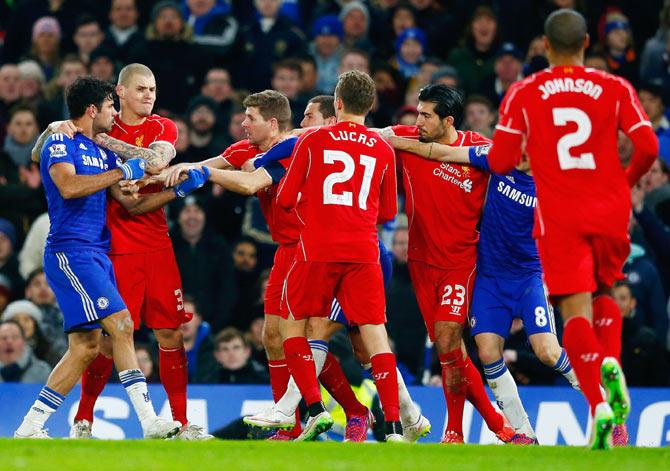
[[164, 300], [455, 295], [309, 289], [490, 312], [424, 282], [361, 293], [130, 273], [610, 254], [84, 286], [534, 307], [322, 328], [567, 260], [283, 260]]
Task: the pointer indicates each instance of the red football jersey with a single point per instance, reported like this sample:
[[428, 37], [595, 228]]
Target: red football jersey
[[444, 204], [344, 177], [569, 117], [283, 225], [145, 232]]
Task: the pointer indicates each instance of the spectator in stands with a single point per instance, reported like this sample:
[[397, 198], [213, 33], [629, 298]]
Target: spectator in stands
[[235, 366], [32, 253], [402, 16], [198, 341], [205, 264], [642, 357], [656, 185], [21, 193], [617, 45], [10, 77], [88, 36], [389, 86], [535, 48], [423, 78], [405, 324], [147, 362], [31, 84], [168, 49], [264, 41], [123, 34], [310, 77], [46, 45], [18, 364], [29, 316], [5, 291], [654, 57], [214, 29], [182, 146], [39, 293], [354, 59], [235, 130], [406, 116], [254, 337], [645, 282], [446, 75], [475, 58], [327, 51], [439, 25], [54, 108], [245, 263], [507, 70], [479, 115], [286, 79], [597, 61], [101, 64], [410, 48], [651, 99], [355, 19], [9, 265], [203, 140], [218, 87]]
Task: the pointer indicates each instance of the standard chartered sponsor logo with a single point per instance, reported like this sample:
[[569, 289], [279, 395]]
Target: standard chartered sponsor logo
[[452, 175]]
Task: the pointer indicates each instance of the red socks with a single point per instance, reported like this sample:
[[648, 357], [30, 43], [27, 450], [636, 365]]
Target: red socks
[[333, 379], [607, 325], [476, 394], [279, 378], [455, 387], [93, 381], [585, 354], [386, 379], [173, 368], [301, 366]]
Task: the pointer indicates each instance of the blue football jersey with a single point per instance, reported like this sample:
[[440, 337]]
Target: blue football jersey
[[77, 223], [506, 245]]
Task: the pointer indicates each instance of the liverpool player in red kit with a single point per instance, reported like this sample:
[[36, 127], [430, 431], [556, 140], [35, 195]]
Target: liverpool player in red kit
[[141, 252], [342, 183], [569, 117], [444, 204]]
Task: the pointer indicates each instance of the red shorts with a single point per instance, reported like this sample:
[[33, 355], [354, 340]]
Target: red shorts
[[578, 263], [442, 295], [359, 287], [150, 285], [284, 257]]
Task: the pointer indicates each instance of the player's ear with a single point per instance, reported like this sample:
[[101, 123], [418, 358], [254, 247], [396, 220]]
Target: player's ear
[[545, 41], [120, 90], [587, 41]]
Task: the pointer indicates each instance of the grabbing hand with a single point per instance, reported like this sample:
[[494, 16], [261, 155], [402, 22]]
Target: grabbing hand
[[172, 175], [196, 179], [65, 127], [133, 169]]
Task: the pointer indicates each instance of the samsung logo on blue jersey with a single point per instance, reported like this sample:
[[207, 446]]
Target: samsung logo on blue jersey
[[95, 162], [516, 195]]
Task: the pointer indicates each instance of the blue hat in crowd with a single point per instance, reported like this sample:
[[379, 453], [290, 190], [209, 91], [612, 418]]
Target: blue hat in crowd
[[328, 25], [7, 228], [509, 49], [618, 23], [412, 33]]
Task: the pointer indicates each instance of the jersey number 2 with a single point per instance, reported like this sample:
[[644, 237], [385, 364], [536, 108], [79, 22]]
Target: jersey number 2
[[346, 198], [563, 116]]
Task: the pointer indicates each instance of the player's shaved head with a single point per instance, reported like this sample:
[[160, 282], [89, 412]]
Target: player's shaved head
[[566, 31], [132, 70]]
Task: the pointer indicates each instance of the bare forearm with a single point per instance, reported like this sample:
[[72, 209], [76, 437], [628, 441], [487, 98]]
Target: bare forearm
[[152, 202], [240, 182], [155, 160], [37, 149], [431, 150], [78, 186]]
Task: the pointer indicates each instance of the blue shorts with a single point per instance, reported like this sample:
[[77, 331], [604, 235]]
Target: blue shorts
[[497, 301], [386, 261], [85, 288]]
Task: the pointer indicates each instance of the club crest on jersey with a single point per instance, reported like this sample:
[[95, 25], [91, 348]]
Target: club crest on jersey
[[139, 141], [102, 302], [57, 150]]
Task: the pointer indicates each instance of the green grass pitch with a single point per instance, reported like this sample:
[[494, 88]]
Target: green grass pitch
[[99, 455]]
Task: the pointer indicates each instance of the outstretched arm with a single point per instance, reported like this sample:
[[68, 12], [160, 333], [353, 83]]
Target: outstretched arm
[[245, 183], [157, 156], [431, 150]]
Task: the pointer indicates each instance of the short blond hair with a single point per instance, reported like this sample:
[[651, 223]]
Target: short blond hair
[[131, 70]]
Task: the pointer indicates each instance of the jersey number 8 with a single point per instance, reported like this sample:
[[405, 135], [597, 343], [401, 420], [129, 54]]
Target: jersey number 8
[[346, 198]]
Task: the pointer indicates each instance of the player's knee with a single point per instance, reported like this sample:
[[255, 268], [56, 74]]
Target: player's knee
[[86, 351], [169, 338], [488, 354], [548, 354], [448, 338], [272, 338]]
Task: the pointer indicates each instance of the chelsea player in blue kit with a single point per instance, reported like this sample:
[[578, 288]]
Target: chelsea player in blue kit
[[509, 280], [76, 174]]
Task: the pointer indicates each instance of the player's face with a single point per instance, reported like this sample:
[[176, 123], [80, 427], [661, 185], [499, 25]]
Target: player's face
[[255, 126], [104, 118], [431, 127], [139, 95], [312, 116]]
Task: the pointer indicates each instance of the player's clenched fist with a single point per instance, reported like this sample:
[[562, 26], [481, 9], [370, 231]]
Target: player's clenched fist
[[196, 179], [133, 169]]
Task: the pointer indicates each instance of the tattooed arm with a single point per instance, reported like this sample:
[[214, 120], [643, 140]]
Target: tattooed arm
[[157, 156], [66, 127]]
